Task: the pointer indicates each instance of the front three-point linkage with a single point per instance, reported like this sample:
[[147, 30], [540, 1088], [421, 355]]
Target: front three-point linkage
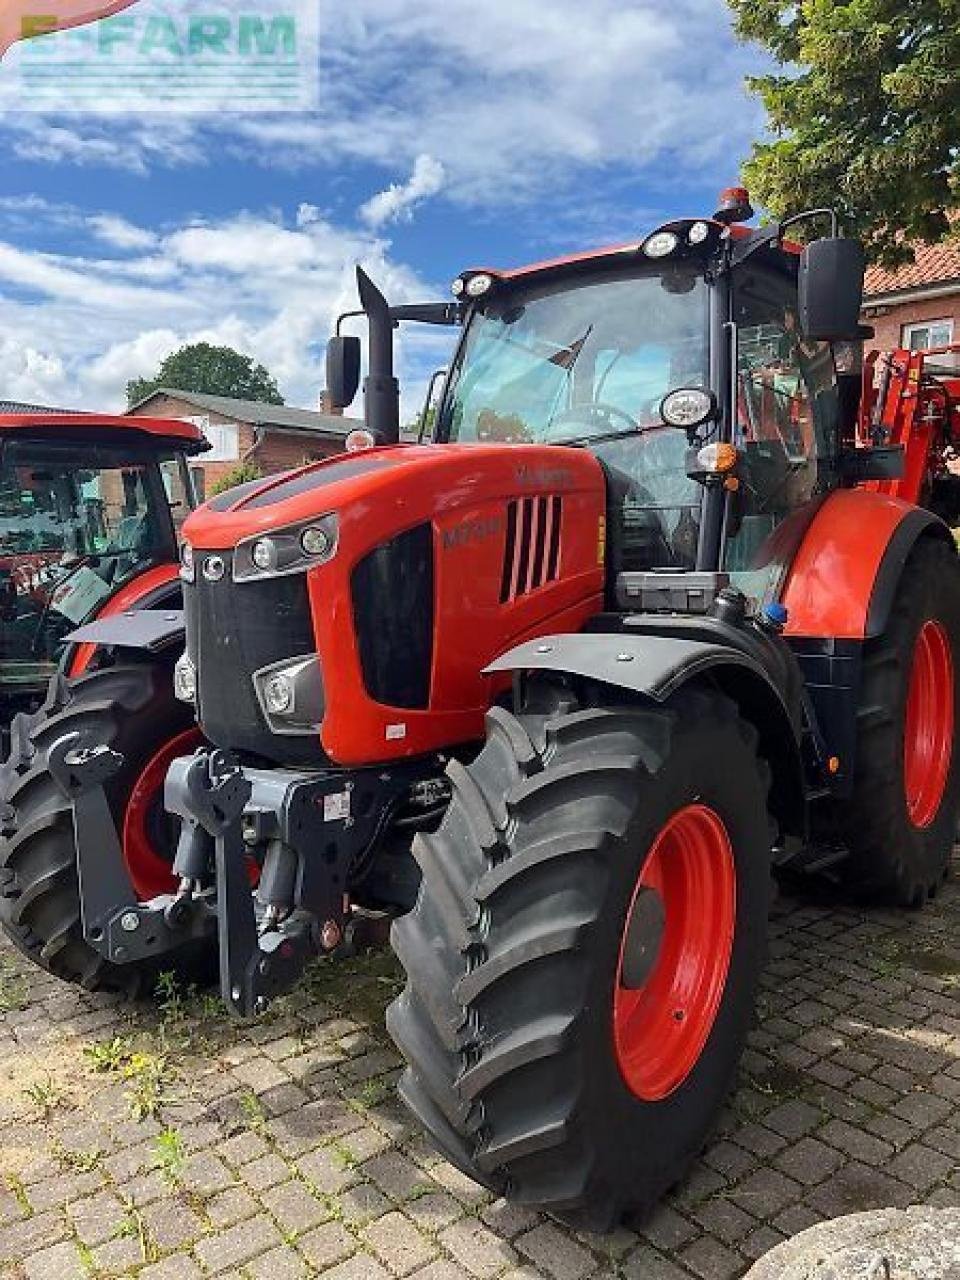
[[208, 792], [115, 923]]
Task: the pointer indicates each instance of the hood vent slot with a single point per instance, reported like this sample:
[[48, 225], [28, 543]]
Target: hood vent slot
[[531, 556]]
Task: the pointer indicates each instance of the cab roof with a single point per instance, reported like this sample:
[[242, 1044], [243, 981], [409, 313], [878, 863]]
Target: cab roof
[[183, 434]]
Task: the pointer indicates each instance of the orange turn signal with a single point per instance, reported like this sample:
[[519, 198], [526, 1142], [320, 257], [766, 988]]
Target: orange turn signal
[[718, 457]]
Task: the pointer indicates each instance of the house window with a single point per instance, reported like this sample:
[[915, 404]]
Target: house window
[[928, 333]]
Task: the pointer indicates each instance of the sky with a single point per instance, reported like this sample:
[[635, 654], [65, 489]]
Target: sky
[[446, 134]]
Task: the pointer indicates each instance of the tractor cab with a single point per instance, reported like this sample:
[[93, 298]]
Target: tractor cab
[[86, 511], [683, 365]]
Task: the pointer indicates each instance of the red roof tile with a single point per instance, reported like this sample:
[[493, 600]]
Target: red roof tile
[[933, 264]]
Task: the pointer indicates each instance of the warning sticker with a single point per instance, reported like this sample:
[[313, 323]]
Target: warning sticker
[[336, 806]]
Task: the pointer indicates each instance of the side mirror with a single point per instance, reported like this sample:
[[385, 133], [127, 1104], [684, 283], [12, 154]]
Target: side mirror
[[830, 288], [343, 370]]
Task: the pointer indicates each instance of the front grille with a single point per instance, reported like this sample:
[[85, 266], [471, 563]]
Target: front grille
[[234, 629]]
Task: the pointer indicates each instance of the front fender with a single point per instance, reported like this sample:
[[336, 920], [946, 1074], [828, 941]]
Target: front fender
[[147, 629], [656, 667]]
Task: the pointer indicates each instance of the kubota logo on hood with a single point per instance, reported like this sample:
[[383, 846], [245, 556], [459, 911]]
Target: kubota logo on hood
[[21, 19]]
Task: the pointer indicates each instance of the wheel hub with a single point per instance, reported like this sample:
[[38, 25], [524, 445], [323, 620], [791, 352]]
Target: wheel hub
[[675, 952], [928, 724]]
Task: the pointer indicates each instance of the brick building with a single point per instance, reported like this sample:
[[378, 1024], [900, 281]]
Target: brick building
[[916, 305], [272, 437]]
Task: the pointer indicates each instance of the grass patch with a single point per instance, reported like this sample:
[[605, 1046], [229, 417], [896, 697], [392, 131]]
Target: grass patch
[[47, 1096], [19, 1192], [251, 1108], [149, 1074], [170, 1155], [14, 988]]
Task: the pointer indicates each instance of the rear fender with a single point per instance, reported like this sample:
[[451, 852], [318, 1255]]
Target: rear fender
[[843, 578], [656, 667]]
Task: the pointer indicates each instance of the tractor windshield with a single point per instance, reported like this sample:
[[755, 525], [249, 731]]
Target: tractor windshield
[[588, 364], [70, 536]]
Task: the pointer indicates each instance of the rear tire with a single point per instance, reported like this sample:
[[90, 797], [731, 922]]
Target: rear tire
[[513, 951], [900, 822], [131, 708]]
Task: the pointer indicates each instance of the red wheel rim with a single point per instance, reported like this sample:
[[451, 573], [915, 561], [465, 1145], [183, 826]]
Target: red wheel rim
[[662, 1025], [928, 724], [148, 866]]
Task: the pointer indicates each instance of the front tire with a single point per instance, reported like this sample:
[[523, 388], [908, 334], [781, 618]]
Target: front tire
[[131, 708], [526, 942]]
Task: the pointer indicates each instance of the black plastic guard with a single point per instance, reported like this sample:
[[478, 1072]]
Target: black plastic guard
[[652, 665], [150, 629]]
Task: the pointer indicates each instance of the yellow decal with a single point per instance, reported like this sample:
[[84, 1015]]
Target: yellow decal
[[601, 540]]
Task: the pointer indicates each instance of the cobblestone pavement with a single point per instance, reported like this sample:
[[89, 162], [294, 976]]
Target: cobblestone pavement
[[170, 1143]]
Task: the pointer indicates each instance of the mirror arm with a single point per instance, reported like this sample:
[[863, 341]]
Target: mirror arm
[[763, 236], [446, 313], [347, 315]]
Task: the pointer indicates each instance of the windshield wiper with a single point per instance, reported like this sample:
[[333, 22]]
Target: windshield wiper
[[622, 433]]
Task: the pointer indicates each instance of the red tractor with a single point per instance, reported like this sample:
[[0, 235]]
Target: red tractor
[[86, 531], [656, 613]]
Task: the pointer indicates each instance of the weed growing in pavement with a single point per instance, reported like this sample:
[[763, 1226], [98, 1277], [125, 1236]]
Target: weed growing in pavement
[[14, 988], [134, 1227], [370, 1094], [109, 1056], [343, 1156], [148, 1073], [19, 1192], [170, 1155], [46, 1096], [77, 1161], [254, 1116]]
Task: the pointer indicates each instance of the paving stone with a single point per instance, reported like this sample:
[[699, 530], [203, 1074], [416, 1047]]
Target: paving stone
[[808, 1161], [555, 1253], [326, 1244], [172, 1224], [264, 1172], [179, 1266], [398, 1243], [362, 1266], [711, 1260], [478, 1249], [279, 1264], [295, 1208], [62, 1262], [238, 1244]]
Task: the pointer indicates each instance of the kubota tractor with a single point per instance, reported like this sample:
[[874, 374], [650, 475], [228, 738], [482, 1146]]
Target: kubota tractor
[[86, 532], [657, 611]]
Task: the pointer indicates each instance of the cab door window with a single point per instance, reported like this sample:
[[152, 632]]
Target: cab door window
[[786, 421]]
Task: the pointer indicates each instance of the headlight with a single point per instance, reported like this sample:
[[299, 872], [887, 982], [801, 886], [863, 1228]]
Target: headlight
[[292, 550], [688, 407], [187, 570], [315, 540], [185, 679], [458, 287], [263, 553], [278, 694], [291, 695], [698, 233], [661, 244], [480, 284]]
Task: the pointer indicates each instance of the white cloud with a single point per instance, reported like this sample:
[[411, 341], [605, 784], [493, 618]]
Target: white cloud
[[397, 203], [515, 100], [120, 233], [249, 281]]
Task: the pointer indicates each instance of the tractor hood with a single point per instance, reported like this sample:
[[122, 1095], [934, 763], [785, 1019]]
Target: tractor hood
[[393, 488]]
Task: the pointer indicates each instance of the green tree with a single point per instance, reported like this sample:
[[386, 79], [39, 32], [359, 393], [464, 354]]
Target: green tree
[[242, 473], [865, 113], [215, 371]]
